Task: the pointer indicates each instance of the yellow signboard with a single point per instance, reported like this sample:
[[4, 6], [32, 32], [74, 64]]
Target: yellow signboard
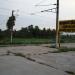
[[67, 26]]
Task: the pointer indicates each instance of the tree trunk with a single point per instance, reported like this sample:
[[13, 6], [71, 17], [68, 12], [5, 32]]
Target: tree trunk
[[11, 37]]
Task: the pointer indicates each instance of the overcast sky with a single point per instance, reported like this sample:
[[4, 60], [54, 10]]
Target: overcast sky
[[24, 8]]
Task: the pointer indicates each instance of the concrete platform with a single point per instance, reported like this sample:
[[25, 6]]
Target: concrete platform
[[14, 65], [64, 61], [45, 63]]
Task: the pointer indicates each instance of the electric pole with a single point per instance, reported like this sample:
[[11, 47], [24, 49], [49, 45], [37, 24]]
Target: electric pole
[[57, 22], [57, 25]]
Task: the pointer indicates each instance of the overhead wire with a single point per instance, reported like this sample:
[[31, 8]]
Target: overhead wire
[[53, 10], [29, 13], [40, 2], [6, 9], [48, 10], [45, 5]]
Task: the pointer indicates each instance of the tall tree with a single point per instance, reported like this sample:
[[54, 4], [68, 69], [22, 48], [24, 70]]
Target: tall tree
[[36, 31], [31, 30], [11, 23]]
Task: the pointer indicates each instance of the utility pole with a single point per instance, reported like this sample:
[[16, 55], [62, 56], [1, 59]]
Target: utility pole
[[57, 26], [57, 23]]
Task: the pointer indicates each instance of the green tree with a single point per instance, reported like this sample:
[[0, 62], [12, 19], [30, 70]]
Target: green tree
[[10, 24], [36, 31], [31, 30]]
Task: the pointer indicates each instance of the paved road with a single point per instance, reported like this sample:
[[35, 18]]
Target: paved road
[[63, 61], [14, 65], [45, 63], [26, 49]]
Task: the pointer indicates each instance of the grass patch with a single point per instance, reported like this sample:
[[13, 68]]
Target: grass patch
[[64, 49], [19, 54], [30, 59], [53, 46], [70, 72], [25, 56], [8, 52], [27, 41], [3, 45], [31, 41]]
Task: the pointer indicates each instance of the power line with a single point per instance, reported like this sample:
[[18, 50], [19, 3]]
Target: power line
[[40, 2], [46, 5], [16, 10], [6, 9], [47, 10]]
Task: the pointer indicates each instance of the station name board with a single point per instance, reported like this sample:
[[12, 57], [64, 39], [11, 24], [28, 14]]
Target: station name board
[[67, 26]]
